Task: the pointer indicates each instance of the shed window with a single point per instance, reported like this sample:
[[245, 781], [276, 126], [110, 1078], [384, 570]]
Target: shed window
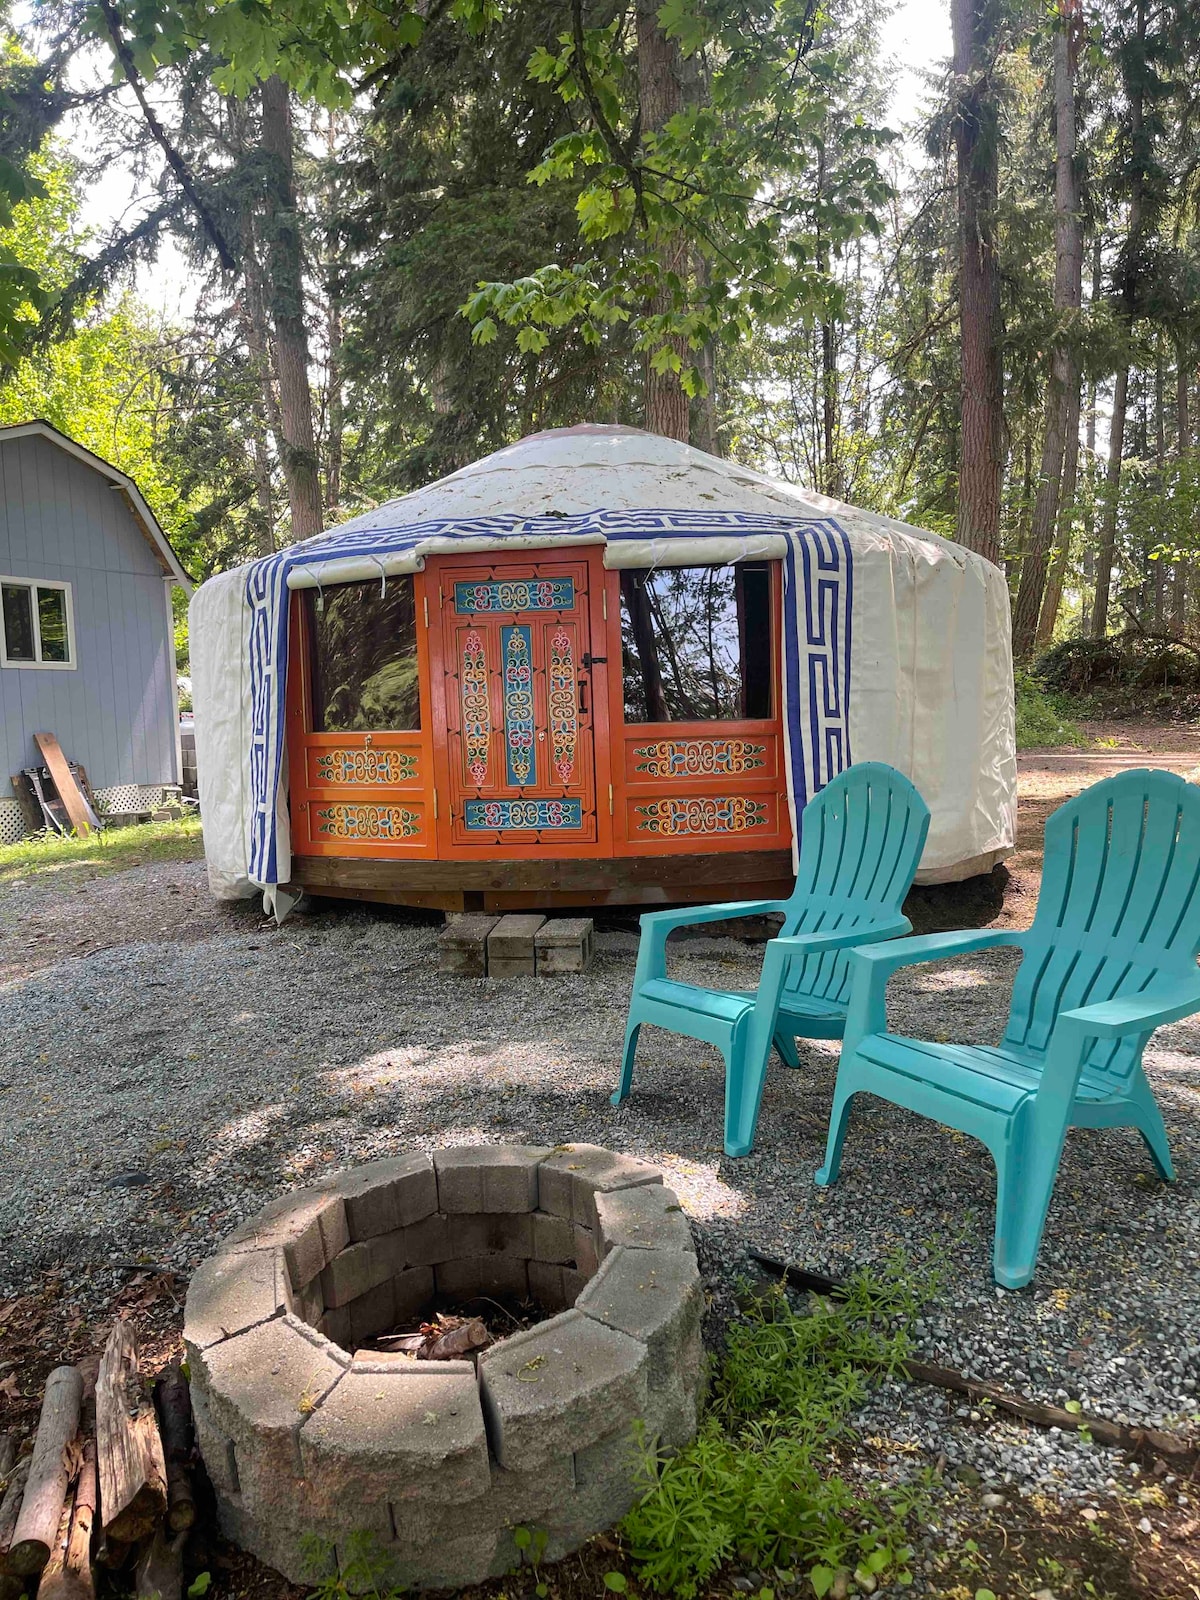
[[696, 643], [364, 657], [35, 623]]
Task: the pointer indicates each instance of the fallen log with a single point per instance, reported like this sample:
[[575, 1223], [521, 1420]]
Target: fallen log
[[68, 1573], [51, 1467], [159, 1571], [174, 1403], [129, 1453], [9, 1447], [1183, 1454]]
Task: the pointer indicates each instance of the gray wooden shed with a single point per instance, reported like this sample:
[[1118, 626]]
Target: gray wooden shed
[[87, 648]]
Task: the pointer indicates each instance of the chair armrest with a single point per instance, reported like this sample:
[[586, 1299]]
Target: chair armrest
[[656, 925], [872, 965], [1136, 1013], [815, 944], [934, 947], [781, 952]]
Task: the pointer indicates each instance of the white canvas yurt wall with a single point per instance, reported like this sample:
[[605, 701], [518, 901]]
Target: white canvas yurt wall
[[929, 662]]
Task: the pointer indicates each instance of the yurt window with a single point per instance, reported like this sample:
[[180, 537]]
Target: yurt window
[[696, 643], [364, 657]]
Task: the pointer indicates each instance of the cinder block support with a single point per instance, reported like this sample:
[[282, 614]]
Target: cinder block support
[[510, 947], [564, 944], [462, 945]]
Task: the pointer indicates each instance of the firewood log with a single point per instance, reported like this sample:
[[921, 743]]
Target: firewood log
[[68, 1573], [174, 1402], [133, 1474], [159, 1571], [9, 1447], [51, 1467], [10, 1506]]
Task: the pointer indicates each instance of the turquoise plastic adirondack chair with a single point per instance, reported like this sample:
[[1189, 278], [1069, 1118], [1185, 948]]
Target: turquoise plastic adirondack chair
[[860, 841], [1110, 957]]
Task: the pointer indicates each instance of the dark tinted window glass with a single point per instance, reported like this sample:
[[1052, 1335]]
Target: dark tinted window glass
[[52, 623], [364, 661], [18, 623], [696, 644]]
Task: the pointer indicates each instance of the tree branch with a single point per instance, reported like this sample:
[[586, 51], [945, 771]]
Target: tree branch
[[175, 161], [622, 155]]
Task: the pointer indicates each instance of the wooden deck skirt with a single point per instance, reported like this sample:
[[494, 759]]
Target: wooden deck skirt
[[507, 885]]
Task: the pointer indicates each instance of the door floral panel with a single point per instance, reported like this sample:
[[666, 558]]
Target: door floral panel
[[521, 749]]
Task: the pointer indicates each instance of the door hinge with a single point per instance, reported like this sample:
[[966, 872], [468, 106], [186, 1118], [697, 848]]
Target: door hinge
[[604, 603], [425, 603], [590, 661], [435, 805], [610, 802]]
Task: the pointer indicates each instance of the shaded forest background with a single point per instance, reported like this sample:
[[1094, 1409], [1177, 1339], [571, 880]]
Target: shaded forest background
[[423, 232]]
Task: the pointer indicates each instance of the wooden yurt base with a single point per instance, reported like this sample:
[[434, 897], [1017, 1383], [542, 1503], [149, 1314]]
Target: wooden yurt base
[[515, 885]]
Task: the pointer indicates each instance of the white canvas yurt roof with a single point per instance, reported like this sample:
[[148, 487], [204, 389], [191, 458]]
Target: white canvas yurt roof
[[927, 679]]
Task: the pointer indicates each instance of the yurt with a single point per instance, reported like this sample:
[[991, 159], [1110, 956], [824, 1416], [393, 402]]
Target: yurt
[[595, 668]]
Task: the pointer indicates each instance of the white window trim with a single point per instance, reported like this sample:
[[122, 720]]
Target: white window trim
[[33, 584]]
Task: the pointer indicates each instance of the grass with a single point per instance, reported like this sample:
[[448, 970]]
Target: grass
[[101, 853]]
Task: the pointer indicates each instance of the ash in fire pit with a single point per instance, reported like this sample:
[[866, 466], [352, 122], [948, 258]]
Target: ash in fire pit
[[354, 1370]]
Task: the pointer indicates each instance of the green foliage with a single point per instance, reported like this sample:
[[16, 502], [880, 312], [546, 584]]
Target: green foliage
[[759, 1484], [1042, 720], [1123, 667], [101, 853], [721, 220], [360, 1566]]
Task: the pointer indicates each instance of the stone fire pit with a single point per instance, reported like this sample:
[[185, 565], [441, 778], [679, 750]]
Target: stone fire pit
[[438, 1461]]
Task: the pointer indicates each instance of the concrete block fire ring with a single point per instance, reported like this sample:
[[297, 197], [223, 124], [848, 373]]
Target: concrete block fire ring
[[438, 1462]]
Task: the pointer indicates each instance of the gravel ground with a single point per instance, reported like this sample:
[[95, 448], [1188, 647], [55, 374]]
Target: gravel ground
[[154, 1094]]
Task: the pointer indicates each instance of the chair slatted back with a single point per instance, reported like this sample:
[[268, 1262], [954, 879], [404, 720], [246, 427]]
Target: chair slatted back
[[1119, 907], [861, 839]]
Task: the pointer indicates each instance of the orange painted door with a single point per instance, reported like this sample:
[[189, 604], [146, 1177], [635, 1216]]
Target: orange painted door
[[516, 649]]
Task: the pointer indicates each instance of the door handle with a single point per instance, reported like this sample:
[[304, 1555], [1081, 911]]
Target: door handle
[[583, 705]]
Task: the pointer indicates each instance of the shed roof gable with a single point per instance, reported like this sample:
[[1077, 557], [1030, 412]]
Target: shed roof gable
[[146, 520]]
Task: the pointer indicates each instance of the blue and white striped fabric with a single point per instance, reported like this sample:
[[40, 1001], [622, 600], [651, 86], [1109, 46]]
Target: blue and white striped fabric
[[818, 596]]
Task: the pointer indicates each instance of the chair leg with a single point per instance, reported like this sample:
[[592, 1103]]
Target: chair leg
[[1150, 1126], [744, 1081], [1023, 1190], [839, 1117], [631, 1039], [785, 1043]]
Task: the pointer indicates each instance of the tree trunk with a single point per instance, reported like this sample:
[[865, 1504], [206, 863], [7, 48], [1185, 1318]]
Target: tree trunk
[[976, 134], [660, 96], [1106, 554], [1130, 269], [286, 299], [1183, 443], [1066, 511], [335, 421], [1062, 397]]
